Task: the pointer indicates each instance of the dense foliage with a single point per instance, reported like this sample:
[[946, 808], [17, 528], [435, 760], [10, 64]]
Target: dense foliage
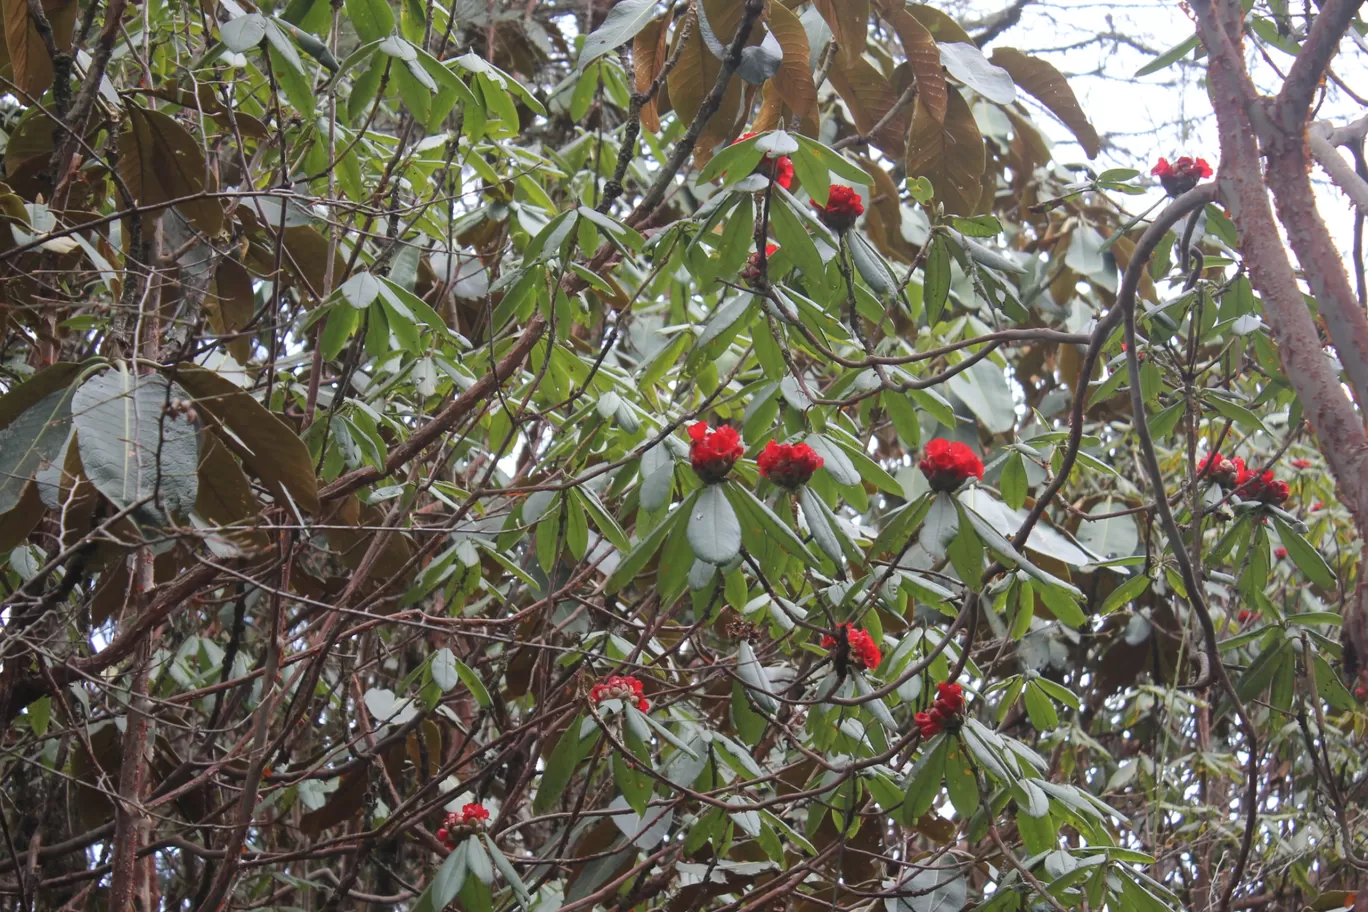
[[708, 454]]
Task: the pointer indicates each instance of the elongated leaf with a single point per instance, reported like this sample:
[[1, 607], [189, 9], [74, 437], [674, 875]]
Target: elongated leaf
[[264, 442], [35, 419], [1039, 78], [950, 154], [132, 450], [647, 547], [714, 529], [623, 22], [966, 63]]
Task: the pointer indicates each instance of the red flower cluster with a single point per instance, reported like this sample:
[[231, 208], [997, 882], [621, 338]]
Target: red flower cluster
[[863, 650], [619, 687], [947, 465], [1182, 175], [945, 713], [1221, 470], [1280, 553], [1260, 486], [1301, 463], [779, 170], [472, 817], [713, 453], [788, 465], [751, 272], [843, 207]]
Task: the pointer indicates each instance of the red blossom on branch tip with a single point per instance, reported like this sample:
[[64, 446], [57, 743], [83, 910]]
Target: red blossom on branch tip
[[946, 712], [947, 464], [1181, 175], [863, 650], [779, 170], [1221, 470], [712, 453], [456, 826], [1280, 553], [620, 687], [788, 465], [843, 207], [1261, 486]]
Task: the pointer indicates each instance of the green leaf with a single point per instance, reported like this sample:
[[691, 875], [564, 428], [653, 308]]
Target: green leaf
[[1013, 482], [1169, 57], [560, 766], [243, 33], [603, 520], [1125, 593], [714, 529], [924, 782], [446, 883], [1307, 558], [130, 450], [820, 523], [936, 280], [960, 781], [620, 26], [753, 511], [576, 527], [510, 873], [32, 441], [904, 417], [634, 784], [373, 21], [646, 548], [1040, 709]]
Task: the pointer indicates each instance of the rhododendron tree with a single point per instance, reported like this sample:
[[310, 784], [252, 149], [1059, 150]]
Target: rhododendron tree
[[721, 455]]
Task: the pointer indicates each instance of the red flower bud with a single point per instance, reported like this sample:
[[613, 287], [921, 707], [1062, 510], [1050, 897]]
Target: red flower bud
[[620, 687], [863, 650], [1260, 486], [929, 723], [1182, 175], [788, 465], [1280, 553], [713, 453], [947, 465], [949, 698], [843, 207], [751, 272], [1222, 471]]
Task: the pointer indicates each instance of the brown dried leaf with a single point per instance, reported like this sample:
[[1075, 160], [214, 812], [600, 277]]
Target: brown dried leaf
[[161, 162], [849, 21], [950, 155], [922, 56], [225, 496], [16, 525], [266, 443], [229, 306], [1123, 249], [306, 255], [694, 76], [648, 58], [24, 50], [870, 96], [1049, 87], [941, 26], [794, 79]]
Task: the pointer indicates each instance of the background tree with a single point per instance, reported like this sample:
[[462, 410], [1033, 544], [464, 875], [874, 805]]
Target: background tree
[[648, 456]]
